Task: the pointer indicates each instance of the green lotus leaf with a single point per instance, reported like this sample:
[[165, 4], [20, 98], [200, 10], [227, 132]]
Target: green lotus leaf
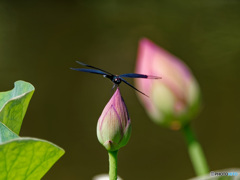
[[14, 103], [25, 158], [22, 158], [6, 134]]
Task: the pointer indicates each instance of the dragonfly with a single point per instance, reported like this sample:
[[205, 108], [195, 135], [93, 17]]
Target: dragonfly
[[116, 79]]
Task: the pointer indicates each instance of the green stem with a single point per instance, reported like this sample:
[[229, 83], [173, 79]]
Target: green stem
[[195, 152], [112, 165]]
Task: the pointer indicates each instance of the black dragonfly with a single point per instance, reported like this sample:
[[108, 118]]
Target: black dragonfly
[[116, 79]]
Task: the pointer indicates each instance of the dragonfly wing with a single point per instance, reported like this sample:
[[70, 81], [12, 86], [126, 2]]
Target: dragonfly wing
[[83, 64], [133, 86], [89, 71], [134, 75]]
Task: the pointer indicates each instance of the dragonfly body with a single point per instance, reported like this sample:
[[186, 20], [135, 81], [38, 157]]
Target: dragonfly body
[[116, 79]]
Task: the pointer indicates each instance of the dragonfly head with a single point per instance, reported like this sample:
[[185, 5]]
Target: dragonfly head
[[116, 80]]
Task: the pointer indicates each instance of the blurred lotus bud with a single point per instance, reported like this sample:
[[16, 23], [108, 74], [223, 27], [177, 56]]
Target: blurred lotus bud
[[114, 124], [173, 100]]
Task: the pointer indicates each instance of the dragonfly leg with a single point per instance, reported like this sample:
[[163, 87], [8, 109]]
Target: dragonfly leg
[[113, 86]]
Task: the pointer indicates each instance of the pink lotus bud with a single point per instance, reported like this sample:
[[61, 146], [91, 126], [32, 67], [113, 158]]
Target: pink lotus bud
[[114, 124], [174, 99]]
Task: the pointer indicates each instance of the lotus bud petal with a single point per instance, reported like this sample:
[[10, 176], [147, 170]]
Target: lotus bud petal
[[175, 98], [114, 124]]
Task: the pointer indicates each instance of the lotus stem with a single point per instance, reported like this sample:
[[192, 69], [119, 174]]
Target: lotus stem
[[112, 165], [195, 152]]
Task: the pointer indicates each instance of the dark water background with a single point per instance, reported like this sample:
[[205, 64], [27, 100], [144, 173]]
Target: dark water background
[[40, 40]]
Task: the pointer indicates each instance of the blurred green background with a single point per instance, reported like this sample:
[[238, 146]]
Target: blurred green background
[[41, 40]]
